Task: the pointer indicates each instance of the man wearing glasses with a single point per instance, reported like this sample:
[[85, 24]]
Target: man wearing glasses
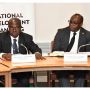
[[69, 39]]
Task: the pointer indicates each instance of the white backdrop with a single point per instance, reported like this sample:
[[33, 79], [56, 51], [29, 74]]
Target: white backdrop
[[24, 11], [51, 16]]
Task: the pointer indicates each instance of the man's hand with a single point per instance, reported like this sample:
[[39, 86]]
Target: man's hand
[[39, 56], [7, 56]]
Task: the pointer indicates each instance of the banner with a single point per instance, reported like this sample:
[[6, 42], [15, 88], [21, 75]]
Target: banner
[[23, 11]]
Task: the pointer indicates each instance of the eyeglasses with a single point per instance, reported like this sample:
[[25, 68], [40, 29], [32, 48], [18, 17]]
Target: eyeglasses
[[73, 22], [14, 27]]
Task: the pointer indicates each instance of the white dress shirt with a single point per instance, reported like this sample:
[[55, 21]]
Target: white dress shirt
[[75, 45]]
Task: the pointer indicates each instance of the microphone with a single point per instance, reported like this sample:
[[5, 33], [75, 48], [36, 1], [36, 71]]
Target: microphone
[[24, 47], [83, 46]]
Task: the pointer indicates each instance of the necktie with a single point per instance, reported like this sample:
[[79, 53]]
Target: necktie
[[15, 49], [71, 43]]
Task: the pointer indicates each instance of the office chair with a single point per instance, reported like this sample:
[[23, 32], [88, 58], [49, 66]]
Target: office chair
[[87, 79]]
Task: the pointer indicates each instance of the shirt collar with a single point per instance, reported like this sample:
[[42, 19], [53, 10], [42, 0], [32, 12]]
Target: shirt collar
[[14, 38], [76, 32]]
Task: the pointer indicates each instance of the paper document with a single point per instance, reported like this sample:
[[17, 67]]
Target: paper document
[[57, 53]]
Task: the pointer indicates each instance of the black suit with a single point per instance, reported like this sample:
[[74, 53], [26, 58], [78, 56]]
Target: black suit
[[26, 40], [61, 42]]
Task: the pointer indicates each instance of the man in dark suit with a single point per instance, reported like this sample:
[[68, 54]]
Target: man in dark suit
[[62, 43], [24, 44]]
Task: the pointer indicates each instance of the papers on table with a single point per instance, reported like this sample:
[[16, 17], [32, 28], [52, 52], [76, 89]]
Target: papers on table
[[72, 58], [57, 53], [69, 58]]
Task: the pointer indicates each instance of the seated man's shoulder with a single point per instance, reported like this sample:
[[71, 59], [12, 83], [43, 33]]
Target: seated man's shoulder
[[26, 35], [62, 29], [86, 31], [3, 34]]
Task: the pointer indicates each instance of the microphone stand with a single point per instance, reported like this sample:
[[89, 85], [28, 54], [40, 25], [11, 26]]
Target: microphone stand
[[82, 46], [24, 47]]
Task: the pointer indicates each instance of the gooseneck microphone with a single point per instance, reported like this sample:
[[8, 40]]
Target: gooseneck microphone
[[24, 47], [83, 46]]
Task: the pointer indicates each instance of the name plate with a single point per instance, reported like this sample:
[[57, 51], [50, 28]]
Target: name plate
[[75, 58], [23, 59]]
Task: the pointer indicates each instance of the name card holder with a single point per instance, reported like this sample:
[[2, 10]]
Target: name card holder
[[20, 59], [75, 58]]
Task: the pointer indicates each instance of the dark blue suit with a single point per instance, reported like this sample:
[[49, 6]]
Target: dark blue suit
[[61, 42]]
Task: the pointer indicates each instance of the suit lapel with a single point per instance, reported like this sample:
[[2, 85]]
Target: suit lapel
[[21, 41], [82, 39], [66, 38]]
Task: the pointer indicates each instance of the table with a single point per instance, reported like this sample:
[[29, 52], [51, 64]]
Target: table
[[51, 63]]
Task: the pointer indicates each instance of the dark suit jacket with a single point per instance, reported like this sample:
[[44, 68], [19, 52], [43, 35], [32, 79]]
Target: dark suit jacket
[[25, 39], [61, 40]]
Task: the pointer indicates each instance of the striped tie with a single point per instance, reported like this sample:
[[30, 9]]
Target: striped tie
[[15, 49]]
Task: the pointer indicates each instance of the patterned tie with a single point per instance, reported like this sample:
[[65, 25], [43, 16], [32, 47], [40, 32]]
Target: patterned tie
[[70, 45], [15, 49]]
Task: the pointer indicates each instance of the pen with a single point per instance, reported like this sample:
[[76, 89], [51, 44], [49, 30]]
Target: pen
[[1, 59], [4, 65]]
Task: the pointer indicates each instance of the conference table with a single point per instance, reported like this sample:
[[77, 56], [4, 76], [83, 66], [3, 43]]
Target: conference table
[[50, 63], [5, 71]]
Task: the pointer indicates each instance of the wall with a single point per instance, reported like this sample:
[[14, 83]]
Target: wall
[[51, 16], [24, 11]]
